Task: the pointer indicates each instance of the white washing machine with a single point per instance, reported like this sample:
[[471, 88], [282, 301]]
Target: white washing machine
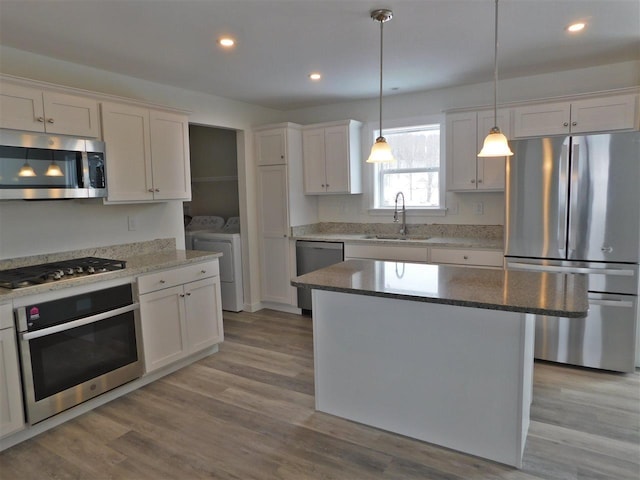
[[229, 244]]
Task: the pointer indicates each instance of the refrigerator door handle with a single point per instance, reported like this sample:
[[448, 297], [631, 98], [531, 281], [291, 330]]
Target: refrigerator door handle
[[558, 269], [575, 198], [611, 303], [563, 194]]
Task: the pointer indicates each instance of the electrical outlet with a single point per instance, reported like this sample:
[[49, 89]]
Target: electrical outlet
[[132, 223], [478, 208]]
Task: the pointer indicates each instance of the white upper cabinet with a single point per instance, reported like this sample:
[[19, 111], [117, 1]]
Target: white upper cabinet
[[147, 154], [331, 158], [37, 110], [271, 146], [465, 133], [600, 114]]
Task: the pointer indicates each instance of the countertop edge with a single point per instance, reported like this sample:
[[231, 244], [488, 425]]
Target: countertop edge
[[444, 301]]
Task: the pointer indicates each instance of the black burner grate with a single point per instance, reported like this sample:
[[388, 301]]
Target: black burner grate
[[51, 272]]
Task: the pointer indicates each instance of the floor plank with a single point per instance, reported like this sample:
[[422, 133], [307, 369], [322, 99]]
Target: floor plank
[[247, 412]]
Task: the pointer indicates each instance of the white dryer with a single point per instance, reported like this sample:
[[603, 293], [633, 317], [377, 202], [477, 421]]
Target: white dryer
[[230, 245]]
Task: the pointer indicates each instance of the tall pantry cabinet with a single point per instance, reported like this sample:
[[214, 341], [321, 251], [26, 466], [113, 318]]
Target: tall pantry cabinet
[[281, 205]]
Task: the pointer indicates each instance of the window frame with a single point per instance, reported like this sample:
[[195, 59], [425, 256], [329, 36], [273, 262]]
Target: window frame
[[374, 176]]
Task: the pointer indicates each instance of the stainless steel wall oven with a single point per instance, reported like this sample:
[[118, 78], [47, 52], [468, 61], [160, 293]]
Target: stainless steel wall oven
[[76, 347]]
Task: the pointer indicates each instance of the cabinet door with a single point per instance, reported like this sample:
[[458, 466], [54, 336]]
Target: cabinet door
[[164, 337], [274, 226], [125, 130], [461, 151], [540, 120], [11, 411], [170, 156], [313, 158], [336, 140], [270, 146], [203, 313], [619, 112], [71, 115], [22, 108], [491, 170]]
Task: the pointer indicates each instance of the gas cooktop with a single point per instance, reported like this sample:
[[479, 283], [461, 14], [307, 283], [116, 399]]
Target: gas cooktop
[[55, 271]]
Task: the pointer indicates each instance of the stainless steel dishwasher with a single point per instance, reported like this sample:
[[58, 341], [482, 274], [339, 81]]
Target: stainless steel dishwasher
[[314, 255]]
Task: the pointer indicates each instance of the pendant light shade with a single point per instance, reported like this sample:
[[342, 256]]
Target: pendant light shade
[[381, 151], [495, 144], [54, 169], [26, 170]]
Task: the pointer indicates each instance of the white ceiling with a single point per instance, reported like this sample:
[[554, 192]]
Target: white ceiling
[[428, 44]]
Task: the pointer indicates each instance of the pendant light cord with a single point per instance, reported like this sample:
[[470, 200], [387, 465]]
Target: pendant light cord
[[495, 72], [381, 33]]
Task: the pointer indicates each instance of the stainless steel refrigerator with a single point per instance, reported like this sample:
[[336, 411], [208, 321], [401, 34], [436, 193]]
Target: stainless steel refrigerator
[[573, 205]]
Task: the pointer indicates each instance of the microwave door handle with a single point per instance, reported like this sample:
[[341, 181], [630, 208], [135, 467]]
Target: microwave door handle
[[79, 323], [563, 198], [557, 269], [86, 180]]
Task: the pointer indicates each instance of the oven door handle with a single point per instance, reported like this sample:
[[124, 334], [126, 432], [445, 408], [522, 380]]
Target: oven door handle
[[79, 323]]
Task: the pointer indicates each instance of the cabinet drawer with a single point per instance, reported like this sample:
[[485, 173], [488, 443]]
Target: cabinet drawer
[[386, 252], [457, 256], [177, 276]]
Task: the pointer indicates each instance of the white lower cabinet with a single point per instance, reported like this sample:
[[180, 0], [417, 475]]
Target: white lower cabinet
[[467, 256], [181, 313], [11, 410]]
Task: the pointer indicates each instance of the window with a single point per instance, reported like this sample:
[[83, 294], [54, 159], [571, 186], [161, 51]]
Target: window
[[417, 171]]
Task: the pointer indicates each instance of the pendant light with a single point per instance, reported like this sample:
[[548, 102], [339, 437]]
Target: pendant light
[[53, 170], [381, 151], [26, 170], [495, 144]]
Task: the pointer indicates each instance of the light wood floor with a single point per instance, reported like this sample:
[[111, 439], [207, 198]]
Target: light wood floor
[[247, 413]]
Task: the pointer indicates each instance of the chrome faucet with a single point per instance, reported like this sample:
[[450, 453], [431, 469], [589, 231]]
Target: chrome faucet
[[403, 229]]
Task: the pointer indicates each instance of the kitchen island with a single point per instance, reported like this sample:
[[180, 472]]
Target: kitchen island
[[439, 353]]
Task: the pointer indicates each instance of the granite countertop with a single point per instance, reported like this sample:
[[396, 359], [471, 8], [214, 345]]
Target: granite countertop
[[411, 240], [563, 295], [137, 264]]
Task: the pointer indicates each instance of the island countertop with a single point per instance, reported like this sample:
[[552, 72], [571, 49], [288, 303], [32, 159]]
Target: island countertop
[[542, 293]]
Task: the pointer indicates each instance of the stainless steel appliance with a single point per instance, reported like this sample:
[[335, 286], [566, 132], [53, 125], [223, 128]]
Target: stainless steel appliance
[[76, 347], [39, 167], [573, 205], [311, 256]]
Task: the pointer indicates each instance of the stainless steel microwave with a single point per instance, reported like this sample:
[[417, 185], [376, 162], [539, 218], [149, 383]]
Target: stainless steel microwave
[[38, 167]]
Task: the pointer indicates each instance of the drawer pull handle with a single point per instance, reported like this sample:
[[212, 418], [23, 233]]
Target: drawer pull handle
[[162, 281], [40, 119], [565, 124], [465, 257], [189, 294], [182, 294], [203, 271], [49, 120]]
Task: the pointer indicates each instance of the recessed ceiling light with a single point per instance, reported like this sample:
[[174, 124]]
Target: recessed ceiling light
[[315, 76], [226, 42], [576, 27]]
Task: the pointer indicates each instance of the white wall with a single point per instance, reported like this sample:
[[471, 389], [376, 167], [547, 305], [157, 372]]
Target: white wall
[[354, 208]]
